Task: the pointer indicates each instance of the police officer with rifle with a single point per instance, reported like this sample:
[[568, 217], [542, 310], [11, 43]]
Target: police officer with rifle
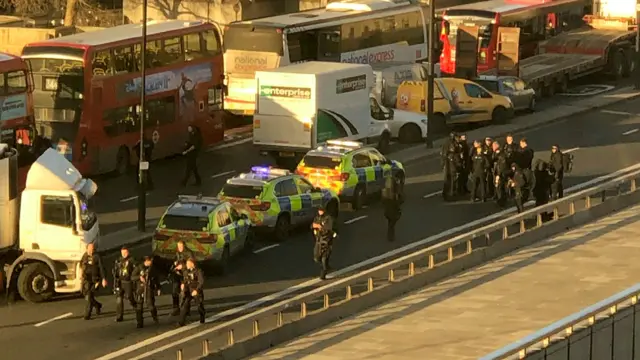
[[92, 276], [175, 274], [148, 286], [123, 286], [193, 289], [324, 234], [392, 199]]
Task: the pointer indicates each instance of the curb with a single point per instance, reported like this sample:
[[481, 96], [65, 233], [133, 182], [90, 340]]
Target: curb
[[433, 152]]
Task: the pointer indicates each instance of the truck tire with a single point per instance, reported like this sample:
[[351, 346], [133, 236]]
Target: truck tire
[[617, 65], [630, 62], [35, 283], [409, 134]]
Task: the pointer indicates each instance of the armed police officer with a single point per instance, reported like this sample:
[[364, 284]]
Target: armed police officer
[[123, 287], [557, 168], [487, 151], [525, 155], [191, 152], [324, 234], [175, 274], [500, 172], [465, 164], [510, 149], [453, 160], [193, 289], [519, 185], [392, 200], [479, 168], [92, 277], [148, 286]]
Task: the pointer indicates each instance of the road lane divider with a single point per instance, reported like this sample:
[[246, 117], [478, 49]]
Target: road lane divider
[[266, 248], [222, 174], [351, 221], [355, 267], [388, 281], [60, 317], [632, 131]]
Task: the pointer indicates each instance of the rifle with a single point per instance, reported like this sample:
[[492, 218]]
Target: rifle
[[117, 283]]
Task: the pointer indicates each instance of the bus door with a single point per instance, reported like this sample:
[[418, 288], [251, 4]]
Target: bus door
[[466, 52], [329, 44], [508, 51]]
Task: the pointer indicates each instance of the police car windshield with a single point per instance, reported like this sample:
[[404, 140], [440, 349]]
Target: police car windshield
[[185, 223], [242, 191], [321, 162]]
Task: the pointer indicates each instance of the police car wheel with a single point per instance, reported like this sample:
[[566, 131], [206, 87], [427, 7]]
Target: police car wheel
[[359, 198], [35, 283], [222, 266], [283, 226], [249, 242], [332, 209]]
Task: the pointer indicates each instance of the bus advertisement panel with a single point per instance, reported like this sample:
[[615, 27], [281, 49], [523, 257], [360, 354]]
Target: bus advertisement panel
[[350, 31], [88, 88]]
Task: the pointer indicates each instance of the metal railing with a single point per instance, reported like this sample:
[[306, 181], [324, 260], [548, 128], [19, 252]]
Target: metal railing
[[343, 290], [543, 338]]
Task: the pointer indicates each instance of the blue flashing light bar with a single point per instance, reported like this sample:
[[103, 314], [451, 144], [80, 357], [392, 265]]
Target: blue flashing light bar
[[269, 171]]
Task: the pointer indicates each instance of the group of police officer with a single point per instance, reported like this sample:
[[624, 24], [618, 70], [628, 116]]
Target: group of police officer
[[139, 284], [490, 170]]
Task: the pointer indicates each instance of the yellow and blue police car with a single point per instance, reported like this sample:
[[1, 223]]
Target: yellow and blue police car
[[349, 168], [276, 200], [212, 228]]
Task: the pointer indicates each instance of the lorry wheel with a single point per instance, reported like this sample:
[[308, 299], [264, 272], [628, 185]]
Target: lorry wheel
[[35, 283], [283, 227], [618, 65], [122, 161], [409, 134], [630, 62], [532, 105]]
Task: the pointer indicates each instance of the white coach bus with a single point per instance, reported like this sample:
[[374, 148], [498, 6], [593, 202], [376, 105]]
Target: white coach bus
[[353, 31]]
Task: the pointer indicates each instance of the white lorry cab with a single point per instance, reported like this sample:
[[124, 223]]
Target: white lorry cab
[[45, 229], [306, 104]]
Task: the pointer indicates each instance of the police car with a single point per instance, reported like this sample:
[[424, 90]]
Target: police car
[[275, 200], [212, 228], [350, 169]]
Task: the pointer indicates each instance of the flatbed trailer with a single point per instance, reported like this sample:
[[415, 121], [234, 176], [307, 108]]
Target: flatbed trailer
[[575, 54]]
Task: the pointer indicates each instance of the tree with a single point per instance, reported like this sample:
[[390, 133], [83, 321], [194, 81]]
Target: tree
[[29, 7], [70, 12]]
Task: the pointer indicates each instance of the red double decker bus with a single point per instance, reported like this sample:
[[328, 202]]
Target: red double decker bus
[[537, 19], [87, 90], [16, 111]]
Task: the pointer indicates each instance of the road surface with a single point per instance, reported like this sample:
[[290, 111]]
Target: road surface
[[598, 143]]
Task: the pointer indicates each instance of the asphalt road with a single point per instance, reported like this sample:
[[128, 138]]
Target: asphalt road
[[116, 201], [599, 147]]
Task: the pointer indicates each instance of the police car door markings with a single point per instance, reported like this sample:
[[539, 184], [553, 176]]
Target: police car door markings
[[355, 219], [285, 203], [630, 132]]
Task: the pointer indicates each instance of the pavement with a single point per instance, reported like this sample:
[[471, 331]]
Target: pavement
[[470, 315], [596, 138]]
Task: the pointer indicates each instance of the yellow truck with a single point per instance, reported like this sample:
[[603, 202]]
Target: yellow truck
[[456, 101]]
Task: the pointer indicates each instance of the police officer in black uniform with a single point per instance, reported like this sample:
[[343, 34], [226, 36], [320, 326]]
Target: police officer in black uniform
[[487, 151], [479, 168], [123, 276], [191, 152], [193, 289], [525, 155], [542, 189], [148, 146], [518, 183], [465, 164], [92, 276], [324, 234], [392, 200], [500, 172], [556, 163], [148, 286], [453, 166], [175, 276], [510, 149]]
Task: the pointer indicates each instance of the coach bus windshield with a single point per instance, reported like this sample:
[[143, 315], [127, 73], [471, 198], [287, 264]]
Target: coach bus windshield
[[485, 29], [243, 37]]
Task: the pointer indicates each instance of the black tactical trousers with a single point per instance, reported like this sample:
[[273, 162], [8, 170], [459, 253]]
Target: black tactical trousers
[[322, 254], [519, 199], [89, 290], [146, 297], [557, 189], [477, 183], [186, 306], [175, 292], [126, 291], [391, 228], [191, 169], [450, 188]]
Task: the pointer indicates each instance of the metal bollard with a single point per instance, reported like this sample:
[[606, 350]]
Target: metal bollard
[[205, 347], [179, 355]]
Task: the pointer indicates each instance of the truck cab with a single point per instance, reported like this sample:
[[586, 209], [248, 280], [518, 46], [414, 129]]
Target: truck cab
[[46, 228]]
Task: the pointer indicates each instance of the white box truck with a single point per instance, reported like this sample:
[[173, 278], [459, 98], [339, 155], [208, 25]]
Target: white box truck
[[45, 229], [303, 105], [389, 75]]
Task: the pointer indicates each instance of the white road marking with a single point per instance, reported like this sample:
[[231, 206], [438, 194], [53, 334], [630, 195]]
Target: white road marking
[[630, 132], [130, 198], [222, 174], [614, 112], [308, 283], [355, 219], [53, 319], [432, 194], [231, 144], [570, 150], [266, 248]]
